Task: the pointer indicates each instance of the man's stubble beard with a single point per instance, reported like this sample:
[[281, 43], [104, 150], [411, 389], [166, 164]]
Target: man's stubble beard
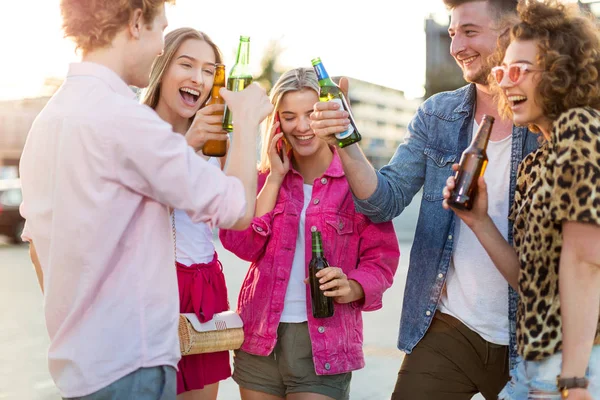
[[481, 78]]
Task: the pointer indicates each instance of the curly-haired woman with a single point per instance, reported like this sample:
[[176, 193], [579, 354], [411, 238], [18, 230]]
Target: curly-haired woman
[[549, 80]]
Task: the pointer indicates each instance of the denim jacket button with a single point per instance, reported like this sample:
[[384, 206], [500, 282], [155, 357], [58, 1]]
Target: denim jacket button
[[259, 229], [327, 366], [316, 201], [428, 313], [440, 275], [321, 329], [313, 228], [324, 181], [449, 237]]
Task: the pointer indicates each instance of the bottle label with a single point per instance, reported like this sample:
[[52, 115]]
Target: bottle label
[[350, 130], [321, 73]]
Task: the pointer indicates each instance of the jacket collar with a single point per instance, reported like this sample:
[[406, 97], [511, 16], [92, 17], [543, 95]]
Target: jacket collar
[[335, 169], [468, 101]]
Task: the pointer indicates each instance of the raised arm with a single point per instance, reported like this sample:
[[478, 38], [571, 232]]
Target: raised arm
[[380, 195], [161, 165]]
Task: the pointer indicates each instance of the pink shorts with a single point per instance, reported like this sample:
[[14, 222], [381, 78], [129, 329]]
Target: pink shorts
[[202, 291]]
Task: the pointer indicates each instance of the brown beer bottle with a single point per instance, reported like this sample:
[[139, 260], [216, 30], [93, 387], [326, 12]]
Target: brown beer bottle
[[322, 306], [472, 165], [216, 148]]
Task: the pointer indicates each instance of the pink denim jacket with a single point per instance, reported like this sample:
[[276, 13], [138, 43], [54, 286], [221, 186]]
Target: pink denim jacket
[[367, 252]]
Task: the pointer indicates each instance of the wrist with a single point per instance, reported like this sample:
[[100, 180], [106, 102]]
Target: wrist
[[274, 179], [565, 384], [356, 290], [481, 224], [194, 143]]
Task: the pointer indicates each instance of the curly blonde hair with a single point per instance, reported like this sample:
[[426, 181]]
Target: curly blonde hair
[[568, 45], [93, 24]]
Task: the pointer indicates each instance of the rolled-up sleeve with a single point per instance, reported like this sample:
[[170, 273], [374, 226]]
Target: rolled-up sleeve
[[154, 161]]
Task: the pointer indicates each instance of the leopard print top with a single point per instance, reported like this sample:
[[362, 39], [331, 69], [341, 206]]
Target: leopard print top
[[558, 182]]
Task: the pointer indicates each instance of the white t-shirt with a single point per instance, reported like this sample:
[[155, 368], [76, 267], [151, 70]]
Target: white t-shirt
[[294, 305], [194, 241], [476, 293]]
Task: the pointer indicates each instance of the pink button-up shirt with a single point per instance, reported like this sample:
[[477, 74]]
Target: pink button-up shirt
[[98, 172], [367, 252]]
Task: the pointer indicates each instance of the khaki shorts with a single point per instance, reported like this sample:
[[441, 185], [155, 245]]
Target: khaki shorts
[[289, 368]]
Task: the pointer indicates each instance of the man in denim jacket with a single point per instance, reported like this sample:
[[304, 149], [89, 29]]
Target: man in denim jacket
[[457, 324]]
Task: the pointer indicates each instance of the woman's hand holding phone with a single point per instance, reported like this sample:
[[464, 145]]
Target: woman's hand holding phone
[[280, 163]]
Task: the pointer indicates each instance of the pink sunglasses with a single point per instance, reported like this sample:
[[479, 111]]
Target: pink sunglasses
[[515, 72]]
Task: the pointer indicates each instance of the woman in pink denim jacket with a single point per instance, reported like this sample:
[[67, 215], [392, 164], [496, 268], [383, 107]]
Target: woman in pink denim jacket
[[287, 352]]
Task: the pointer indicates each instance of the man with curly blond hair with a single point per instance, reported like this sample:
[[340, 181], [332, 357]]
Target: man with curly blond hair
[[99, 173]]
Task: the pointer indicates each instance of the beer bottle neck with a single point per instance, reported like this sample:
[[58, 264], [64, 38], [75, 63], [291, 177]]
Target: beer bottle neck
[[243, 53], [317, 244], [219, 81], [322, 75], [482, 136]]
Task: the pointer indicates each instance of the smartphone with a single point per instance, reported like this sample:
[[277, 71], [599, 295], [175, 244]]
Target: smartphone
[[280, 145]]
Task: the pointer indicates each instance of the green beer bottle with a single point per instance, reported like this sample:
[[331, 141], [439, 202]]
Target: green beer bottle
[[329, 91], [239, 77], [322, 306]]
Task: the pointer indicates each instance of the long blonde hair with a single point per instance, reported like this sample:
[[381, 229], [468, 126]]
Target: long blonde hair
[[173, 40], [292, 81]]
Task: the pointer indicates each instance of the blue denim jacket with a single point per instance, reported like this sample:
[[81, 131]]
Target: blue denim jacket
[[437, 135]]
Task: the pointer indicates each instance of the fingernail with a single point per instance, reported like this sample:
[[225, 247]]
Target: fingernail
[[320, 280], [346, 115], [322, 287]]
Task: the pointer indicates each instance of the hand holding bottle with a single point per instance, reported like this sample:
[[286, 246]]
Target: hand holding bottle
[[206, 126], [249, 106], [335, 283], [329, 118], [479, 212]]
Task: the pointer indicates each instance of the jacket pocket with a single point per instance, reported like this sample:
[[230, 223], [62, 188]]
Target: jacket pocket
[[439, 168]]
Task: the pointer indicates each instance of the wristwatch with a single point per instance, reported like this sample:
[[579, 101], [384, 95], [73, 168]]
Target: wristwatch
[[564, 384]]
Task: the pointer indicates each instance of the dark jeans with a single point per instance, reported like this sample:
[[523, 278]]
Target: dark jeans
[[157, 383], [452, 362]]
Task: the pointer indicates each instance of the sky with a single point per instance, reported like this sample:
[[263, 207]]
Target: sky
[[365, 40]]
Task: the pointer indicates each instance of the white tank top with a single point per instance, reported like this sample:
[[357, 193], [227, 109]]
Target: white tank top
[[194, 241]]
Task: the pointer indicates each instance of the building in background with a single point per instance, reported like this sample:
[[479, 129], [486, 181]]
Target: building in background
[[441, 71], [382, 115]]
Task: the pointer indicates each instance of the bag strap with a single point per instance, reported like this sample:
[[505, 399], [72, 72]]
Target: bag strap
[[172, 210]]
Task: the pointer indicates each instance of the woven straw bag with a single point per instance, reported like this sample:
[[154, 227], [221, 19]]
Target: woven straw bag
[[223, 332]]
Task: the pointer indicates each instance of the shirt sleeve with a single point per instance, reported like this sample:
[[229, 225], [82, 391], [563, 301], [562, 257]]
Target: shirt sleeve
[[576, 189], [402, 178], [25, 235], [250, 244], [379, 255], [156, 162]]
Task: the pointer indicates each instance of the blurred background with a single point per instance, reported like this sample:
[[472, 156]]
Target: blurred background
[[394, 61]]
